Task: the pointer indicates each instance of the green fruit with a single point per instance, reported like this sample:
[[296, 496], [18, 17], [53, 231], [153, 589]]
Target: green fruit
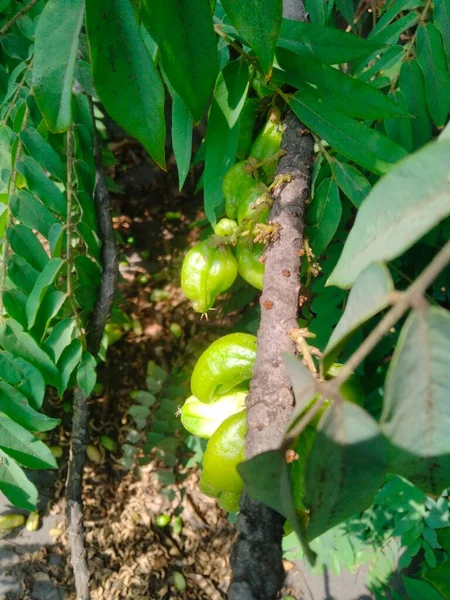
[[57, 451], [225, 364], [179, 581], [351, 389], [113, 333], [176, 330], [108, 443], [8, 522], [229, 501], [162, 520], [94, 454], [247, 203], [203, 419], [251, 269], [33, 522], [207, 271], [247, 124], [260, 87], [225, 227], [237, 183], [268, 142], [177, 525], [225, 450]]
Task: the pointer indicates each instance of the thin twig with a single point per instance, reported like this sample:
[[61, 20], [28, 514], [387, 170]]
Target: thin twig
[[17, 16], [95, 328]]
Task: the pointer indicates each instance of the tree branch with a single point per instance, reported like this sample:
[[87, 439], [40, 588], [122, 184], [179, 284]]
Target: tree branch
[[256, 558], [96, 325]]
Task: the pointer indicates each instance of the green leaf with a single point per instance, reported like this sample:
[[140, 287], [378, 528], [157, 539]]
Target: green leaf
[[56, 239], [40, 185], [323, 216], [412, 84], [55, 53], [317, 11], [266, 478], [351, 181], [15, 405], [223, 132], [127, 82], [418, 382], [181, 137], [367, 147], [24, 243], [347, 10], [443, 536], [432, 60], [70, 357], [400, 130], [24, 447], [15, 302], [259, 23], [345, 468], [45, 279], [183, 31], [87, 373], [44, 153], [59, 338], [392, 32], [143, 397], [439, 576], [24, 377], [15, 485], [29, 211], [302, 382], [21, 273], [19, 343], [418, 589], [369, 295], [390, 11], [350, 95], [328, 45], [400, 209], [441, 18]]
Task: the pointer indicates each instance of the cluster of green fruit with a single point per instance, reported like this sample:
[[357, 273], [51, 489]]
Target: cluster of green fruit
[[211, 266], [216, 412]]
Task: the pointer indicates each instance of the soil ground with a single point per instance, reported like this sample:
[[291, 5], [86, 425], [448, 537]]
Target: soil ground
[[129, 555]]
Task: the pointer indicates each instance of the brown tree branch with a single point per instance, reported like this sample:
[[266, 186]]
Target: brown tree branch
[[256, 558], [96, 325]]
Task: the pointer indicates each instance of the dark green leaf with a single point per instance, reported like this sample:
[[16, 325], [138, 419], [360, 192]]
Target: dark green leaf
[[400, 130], [181, 137], [323, 216], [59, 338], [441, 18], [24, 377], [86, 373], [369, 295], [23, 242], [183, 31], [432, 60], [21, 273], [24, 447], [386, 60], [83, 74], [222, 137], [45, 279], [56, 240], [15, 405], [367, 147], [412, 84], [328, 45], [15, 485], [40, 185], [26, 209], [302, 382], [418, 589], [345, 468], [399, 210], [15, 302], [55, 53], [350, 95], [347, 10], [19, 343], [390, 34], [351, 181], [317, 10], [43, 153], [390, 11], [259, 22], [439, 576], [418, 382], [127, 81], [67, 363], [90, 239]]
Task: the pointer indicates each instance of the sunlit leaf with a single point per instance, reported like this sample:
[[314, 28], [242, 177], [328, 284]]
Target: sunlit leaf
[[351, 181], [23, 242], [45, 279], [15, 485], [23, 446], [181, 137]]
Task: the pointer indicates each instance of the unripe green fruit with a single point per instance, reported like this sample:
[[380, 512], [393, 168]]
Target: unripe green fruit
[[225, 364], [203, 419], [251, 269], [237, 183], [247, 124], [248, 203], [207, 272], [8, 522], [225, 227], [33, 522], [268, 142], [108, 443], [94, 454], [162, 520]]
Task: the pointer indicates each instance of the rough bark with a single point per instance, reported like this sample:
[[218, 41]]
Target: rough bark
[[256, 557], [80, 435]]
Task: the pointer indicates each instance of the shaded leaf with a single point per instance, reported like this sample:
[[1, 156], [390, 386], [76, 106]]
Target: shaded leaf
[[127, 82], [367, 147], [369, 295], [45, 279], [59, 338], [21, 273], [402, 207], [44, 153], [24, 447], [32, 213], [24, 243], [390, 11], [303, 384], [351, 181], [87, 373], [15, 405], [441, 18], [24, 377], [412, 84], [14, 302], [323, 216], [432, 60], [259, 23], [418, 589], [328, 45], [317, 11], [70, 357], [347, 10], [345, 468], [183, 31], [418, 382], [14, 484], [181, 137], [40, 185], [52, 302], [55, 53], [400, 130]]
